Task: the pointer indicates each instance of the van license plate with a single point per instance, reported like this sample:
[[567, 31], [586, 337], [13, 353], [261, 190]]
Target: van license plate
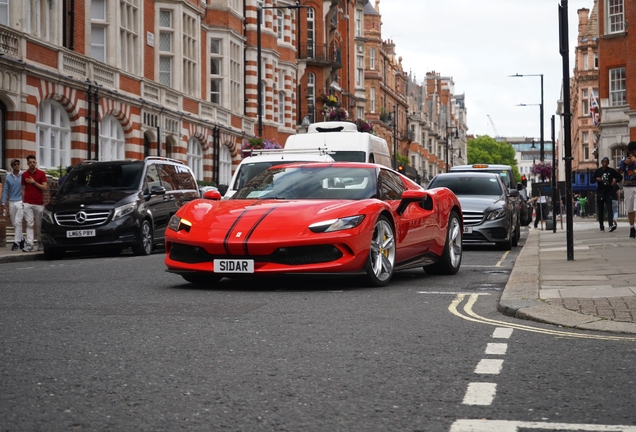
[[80, 233], [233, 266], [468, 230]]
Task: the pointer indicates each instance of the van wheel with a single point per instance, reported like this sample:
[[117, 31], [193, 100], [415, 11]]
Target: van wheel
[[144, 246]]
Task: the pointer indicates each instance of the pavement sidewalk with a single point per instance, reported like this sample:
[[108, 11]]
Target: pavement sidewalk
[[595, 291]]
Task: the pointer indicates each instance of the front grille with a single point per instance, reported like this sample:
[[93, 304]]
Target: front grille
[[299, 255], [82, 218], [472, 217], [190, 254]]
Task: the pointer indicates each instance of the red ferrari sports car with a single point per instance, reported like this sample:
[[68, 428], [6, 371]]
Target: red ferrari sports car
[[318, 217]]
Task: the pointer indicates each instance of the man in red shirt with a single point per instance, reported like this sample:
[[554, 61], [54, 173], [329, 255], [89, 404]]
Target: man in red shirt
[[33, 187]]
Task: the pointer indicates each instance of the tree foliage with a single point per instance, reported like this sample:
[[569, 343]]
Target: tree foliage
[[487, 150]]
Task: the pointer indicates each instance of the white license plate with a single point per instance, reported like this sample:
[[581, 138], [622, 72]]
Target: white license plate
[[468, 230], [80, 233], [233, 266]]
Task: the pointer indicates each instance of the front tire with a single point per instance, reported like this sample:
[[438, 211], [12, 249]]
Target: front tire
[[144, 246], [451, 258], [381, 260]]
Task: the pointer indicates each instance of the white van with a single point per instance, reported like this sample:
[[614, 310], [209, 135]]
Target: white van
[[263, 159], [344, 142]]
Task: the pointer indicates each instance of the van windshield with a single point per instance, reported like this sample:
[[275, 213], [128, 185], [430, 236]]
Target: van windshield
[[349, 156], [102, 177]]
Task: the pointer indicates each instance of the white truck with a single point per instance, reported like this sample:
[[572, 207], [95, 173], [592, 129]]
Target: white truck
[[344, 143]]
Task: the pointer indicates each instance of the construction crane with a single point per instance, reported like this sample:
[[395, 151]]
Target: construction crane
[[492, 123]]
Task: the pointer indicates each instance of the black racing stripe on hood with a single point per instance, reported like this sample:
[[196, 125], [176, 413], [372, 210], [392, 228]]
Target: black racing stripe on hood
[[251, 231], [229, 231]]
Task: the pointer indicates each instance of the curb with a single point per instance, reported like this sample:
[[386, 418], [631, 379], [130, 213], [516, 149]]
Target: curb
[[521, 298], [21, 258]]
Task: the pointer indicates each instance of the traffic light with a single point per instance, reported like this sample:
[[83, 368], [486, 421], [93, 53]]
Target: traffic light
[[400, 168], [524, 181]]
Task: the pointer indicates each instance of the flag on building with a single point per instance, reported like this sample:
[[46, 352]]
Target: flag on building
[[595, 110]]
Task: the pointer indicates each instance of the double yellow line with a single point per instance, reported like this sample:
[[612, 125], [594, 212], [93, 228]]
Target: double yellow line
[[472, 316]]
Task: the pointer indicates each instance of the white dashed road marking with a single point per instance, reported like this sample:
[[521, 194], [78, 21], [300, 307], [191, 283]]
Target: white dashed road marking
[[502, 333], [480, 394], [489, 366], [516, 426], [496, 348]]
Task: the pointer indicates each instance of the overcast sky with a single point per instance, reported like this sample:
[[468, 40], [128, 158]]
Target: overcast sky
[[479, 43]]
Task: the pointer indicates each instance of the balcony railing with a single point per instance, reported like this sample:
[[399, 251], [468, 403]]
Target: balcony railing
[[320, 54], [9, 43]]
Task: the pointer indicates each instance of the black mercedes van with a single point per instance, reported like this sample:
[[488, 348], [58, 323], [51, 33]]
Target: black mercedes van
[[108, 206]]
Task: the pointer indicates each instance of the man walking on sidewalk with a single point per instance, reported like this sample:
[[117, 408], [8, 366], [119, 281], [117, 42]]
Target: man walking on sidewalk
[[627, 168], [12, 192], [33, 187], [605, 178]]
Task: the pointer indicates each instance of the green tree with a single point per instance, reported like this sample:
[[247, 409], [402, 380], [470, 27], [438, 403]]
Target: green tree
[[487, 150]]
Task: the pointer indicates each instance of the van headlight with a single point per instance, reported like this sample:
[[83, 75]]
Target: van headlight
[[496, 214], [124, 210], [47, 216]]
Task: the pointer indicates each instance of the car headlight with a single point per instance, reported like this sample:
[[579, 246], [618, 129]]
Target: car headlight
[[47, 216], [177, 224], [337, 224], [124, 210], [496, 214]]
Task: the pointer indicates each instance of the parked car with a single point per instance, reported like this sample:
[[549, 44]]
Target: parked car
[[488, 206], [507, 175], [260, 160], [339, 217], [525, 208], [109, 206]]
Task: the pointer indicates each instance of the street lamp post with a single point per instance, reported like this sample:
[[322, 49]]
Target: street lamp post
[[259, 71], [447, 144], [541, 156]]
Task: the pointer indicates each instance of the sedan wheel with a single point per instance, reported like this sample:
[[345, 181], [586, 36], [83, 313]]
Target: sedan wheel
[[451, 258], [144, 247], [381, 261]]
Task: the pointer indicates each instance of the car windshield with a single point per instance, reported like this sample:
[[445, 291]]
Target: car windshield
[[86, 178], [311, 182], [248, 171], [468, 185]]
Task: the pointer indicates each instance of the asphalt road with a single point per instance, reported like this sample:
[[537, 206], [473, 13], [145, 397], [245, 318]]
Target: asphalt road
[[92, 343]]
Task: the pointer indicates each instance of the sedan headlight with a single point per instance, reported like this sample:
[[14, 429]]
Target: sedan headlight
[[47, 216], [496, 214], [177, 224], [124, 210], [337, 224]]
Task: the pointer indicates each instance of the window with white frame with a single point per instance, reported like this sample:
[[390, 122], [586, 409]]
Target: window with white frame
[[586, 151], [216, 70], [311, 95], [311, 33], [615, 16], [360, 112], [359, 68], [166, 48], [372, 100], [372, 58], [236, 5], [112, 143], [225, 166], [4, 12], [595, 61], [190, 54], [98, 30], [53, 132], [585, 101], [281, 108], [585, 61], [618, 153], [129, 35], [617, 85], [42, 19], [236, 76], [194, 157], [359, 23], [280, 23]]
